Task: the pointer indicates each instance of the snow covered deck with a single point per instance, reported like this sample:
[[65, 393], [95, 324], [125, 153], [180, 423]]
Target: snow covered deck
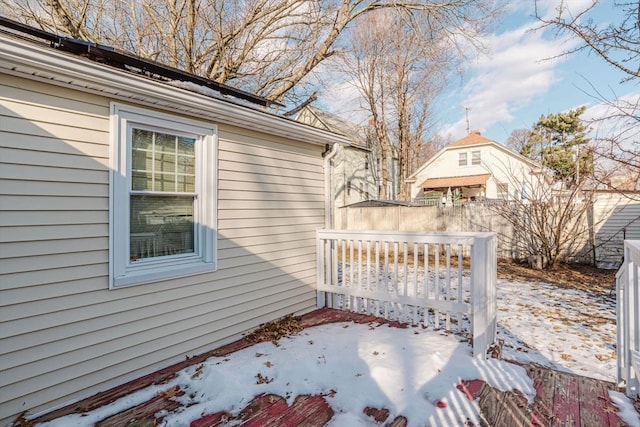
[[493, 392]]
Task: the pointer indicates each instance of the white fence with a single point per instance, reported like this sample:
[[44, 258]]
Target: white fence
[[439, 280], [628, 317]]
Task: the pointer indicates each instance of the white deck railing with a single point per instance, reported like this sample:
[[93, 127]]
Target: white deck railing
[[628, 318], [439, 280]]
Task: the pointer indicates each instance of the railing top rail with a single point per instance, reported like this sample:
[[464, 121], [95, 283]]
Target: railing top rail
[[464, 238]]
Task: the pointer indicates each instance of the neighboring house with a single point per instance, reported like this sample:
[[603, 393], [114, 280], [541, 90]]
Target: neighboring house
[[140, 222], [475, 168], [356, 168], [353, 176]]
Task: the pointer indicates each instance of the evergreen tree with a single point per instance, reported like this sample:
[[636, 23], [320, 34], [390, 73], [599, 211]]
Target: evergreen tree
[[559, 142]]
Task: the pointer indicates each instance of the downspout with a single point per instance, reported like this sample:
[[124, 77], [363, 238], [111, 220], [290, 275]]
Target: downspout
[[329, 201]]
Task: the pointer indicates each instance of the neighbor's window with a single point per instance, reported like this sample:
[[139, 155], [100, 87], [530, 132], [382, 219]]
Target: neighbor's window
[[475, 157], [462, 159], [162, 198], [502, 189]]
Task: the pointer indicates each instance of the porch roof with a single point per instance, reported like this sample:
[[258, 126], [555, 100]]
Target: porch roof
[[456, 181]]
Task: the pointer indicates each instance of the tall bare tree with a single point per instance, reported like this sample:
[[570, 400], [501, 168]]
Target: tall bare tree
[[399, 62], [269, 47], [617, 42]]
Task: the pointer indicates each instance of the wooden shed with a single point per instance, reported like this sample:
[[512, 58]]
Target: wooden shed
[[146, 216]]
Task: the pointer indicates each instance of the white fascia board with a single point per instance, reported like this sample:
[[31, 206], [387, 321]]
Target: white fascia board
[[28, 60]]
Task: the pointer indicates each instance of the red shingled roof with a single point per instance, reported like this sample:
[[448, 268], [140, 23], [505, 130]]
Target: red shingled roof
[[474, 138]]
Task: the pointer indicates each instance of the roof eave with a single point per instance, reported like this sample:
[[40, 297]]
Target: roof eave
[[30, 61]]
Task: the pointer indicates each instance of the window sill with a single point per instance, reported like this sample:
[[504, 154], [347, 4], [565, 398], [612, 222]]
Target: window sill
[[153, 273]]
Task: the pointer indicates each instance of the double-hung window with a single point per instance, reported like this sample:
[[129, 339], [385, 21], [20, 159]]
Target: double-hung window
[[462, 159], [162, 197], [502, 190], [475, 158]]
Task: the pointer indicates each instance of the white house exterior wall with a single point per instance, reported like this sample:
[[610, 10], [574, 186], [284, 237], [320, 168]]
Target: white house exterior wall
[[503, 167], [352, 182], [64, 334]]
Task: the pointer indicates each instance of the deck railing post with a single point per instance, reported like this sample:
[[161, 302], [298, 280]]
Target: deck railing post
[[483, 294], [321, 298], [628, 318]]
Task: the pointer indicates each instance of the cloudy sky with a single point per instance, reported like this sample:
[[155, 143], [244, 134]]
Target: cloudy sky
[[523, 76]]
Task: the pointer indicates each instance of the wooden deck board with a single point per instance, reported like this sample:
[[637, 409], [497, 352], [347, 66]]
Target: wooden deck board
[[592, 402], [562, 399], [544, 382], [566, 398], [143, 414]]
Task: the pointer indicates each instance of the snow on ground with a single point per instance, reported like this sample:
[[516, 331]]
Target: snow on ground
[[565, 329], [406, 371]]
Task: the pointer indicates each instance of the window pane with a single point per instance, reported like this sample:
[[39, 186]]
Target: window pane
[[164, 182], [186, 183], [165, 163], [186, 165], [186, 145], [475, 157], [142, 139], [160, 226], [165, 142], [162, 162], [141, 181], [141, 159]]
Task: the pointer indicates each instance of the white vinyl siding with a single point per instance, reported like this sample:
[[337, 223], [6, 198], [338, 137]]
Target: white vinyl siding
[[64, 334]]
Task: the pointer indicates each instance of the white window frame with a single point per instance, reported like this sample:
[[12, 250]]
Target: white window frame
[[466, 159], [476, 158], [122, 271]]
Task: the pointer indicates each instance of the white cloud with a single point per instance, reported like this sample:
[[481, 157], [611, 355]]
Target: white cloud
[[616, 120], [548, 9], [522, 64]]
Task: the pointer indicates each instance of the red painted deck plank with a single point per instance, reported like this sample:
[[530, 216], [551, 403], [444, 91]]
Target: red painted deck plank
[[262, 409], [544, 381], [211, 420], [143, 414], [566, 406], [306, 411]]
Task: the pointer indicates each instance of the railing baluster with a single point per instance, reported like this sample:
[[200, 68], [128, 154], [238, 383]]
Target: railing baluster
[[378, 278], [367, 301], [436, 312], [448, 295], [396, 249], [416, 249], [386, 277], [333, 268], [426, 270], [460, 294], [352, 262], [357, 300]]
